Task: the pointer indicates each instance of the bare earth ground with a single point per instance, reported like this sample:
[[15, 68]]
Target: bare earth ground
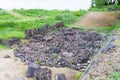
[[98, 19], [11, 68]]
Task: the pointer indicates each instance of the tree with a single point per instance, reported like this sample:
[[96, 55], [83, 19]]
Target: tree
[[100, 3]]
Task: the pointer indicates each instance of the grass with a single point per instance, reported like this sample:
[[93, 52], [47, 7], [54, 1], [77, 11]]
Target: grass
[[78, 75], [5, 16], [11, 34], [15, 29], [115, 76], [103, 29], [2, 47]]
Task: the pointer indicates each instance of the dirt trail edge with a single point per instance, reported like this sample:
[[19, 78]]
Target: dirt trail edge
[[98, 19]]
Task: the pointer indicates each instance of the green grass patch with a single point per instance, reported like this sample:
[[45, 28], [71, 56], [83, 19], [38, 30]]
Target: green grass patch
[[115, 76], [2, 47], [78, 75], [94, 9], [4, 35], [103, 29], [16, 29], [5, 16]]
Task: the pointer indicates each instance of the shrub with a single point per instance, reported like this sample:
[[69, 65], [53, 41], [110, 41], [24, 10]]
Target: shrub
[[66, 17]]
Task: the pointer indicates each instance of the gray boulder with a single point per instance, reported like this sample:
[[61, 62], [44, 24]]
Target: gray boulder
[[31, 69], [42, 74], [60, 76]]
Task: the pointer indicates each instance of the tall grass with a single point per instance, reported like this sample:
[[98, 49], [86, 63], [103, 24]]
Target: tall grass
[[16, 29], [5, 16]]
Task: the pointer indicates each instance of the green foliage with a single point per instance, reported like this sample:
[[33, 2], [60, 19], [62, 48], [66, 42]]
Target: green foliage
[[67, 17], [103, 29], [5, 16], [117, 25], [100, 3], [11, 33], [2, 47], [78, 75], [115, 76], [55, 56], [38, 62], [105, 9], [79, 13], [15, 28]]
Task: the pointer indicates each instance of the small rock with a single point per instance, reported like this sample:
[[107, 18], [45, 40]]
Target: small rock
[[19, 78], [43, 74], [6, 56], [47, 38], [11, 42], [60, 76], [67, 54], [54, 49]]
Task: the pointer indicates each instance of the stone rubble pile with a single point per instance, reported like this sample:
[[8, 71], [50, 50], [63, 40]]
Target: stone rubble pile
[[69, 47]]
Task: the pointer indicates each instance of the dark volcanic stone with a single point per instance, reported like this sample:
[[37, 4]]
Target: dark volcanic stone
[[67, 47], [11, 42], [43, 74], [60, 77], [31, 69], [1, 42], [54, 49]]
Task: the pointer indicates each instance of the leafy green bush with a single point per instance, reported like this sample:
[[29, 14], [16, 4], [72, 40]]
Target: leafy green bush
[[66, 17], [79, 13]]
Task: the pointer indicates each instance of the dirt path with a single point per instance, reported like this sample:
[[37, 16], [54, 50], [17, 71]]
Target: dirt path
[[98, 19], [11, 68]]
